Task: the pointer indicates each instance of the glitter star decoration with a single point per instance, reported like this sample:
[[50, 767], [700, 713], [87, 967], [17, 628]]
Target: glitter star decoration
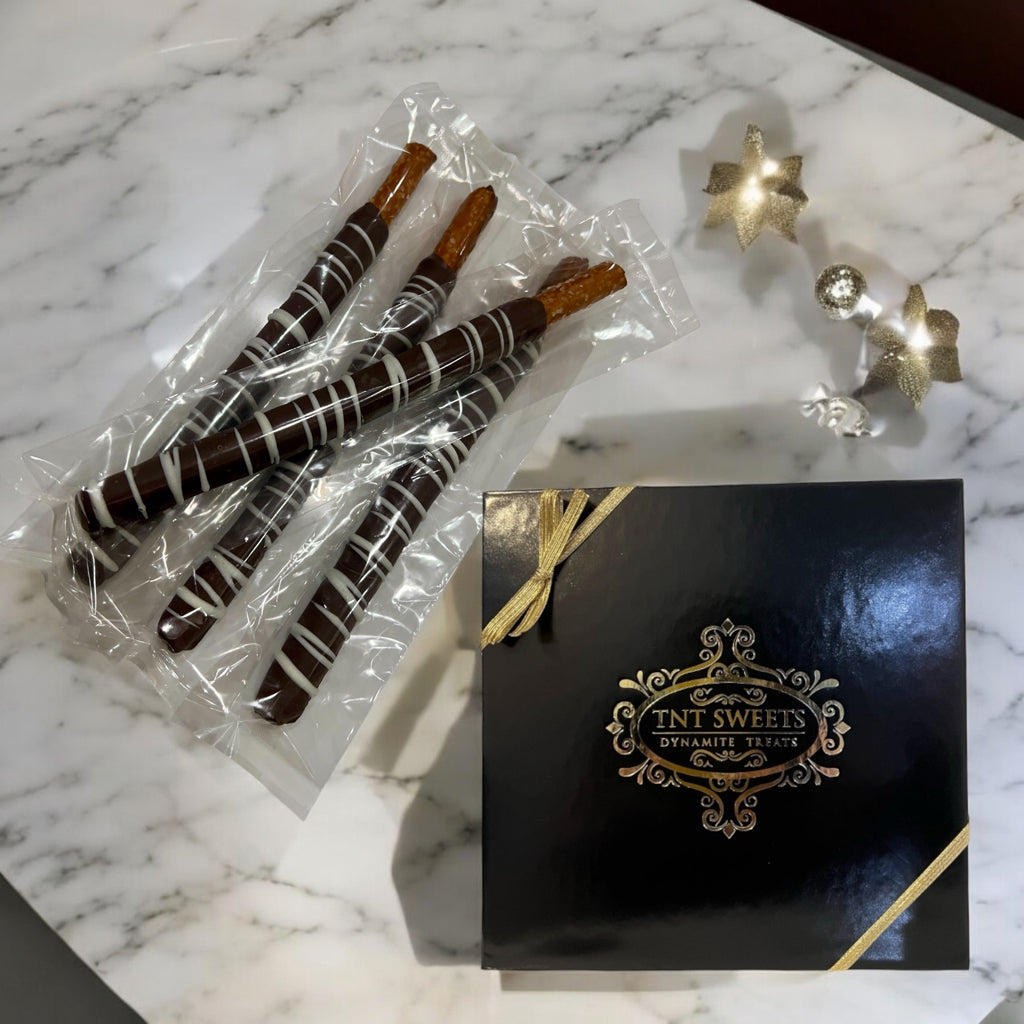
[[916, 350], [756, 193]]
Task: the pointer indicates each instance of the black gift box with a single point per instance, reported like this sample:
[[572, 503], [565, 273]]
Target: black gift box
[[659, 794]]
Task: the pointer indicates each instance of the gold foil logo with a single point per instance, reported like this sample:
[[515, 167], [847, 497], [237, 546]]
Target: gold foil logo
[[728, 729]]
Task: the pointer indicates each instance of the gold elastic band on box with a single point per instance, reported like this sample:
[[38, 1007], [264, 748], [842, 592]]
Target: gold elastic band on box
[[918, 886], [557, 541]]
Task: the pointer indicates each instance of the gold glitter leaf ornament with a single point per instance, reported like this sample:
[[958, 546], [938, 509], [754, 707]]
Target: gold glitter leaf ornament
[[757, 193], [917, 350]]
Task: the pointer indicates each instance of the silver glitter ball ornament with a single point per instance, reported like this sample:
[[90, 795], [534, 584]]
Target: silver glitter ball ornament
[[839, 289]]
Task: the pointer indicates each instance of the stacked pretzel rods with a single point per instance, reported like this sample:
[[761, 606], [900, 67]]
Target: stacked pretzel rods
[[468, 371], [327, 620], [339, 409], [239, 393], [211, 586]]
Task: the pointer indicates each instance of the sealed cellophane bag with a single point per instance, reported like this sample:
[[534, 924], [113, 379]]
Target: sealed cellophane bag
[[264, 530]]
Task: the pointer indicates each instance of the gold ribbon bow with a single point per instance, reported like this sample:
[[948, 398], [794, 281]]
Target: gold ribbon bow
[[558, 540]]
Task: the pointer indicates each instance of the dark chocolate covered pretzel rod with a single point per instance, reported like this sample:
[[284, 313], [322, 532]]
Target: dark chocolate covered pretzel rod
[[426, 292], [211, 586], [235, 395], [325, 623], [313, 641], [339, 409]]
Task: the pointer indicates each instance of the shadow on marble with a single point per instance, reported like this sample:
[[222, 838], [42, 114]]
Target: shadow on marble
[[394, 733], [769, 258], [749, 444], [615, 981], [1009, 1012], [437, 861]]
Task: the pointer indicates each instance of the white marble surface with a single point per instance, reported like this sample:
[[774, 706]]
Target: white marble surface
[[152, 148]]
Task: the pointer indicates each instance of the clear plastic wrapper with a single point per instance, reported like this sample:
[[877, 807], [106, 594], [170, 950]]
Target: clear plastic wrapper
[[213, 686]]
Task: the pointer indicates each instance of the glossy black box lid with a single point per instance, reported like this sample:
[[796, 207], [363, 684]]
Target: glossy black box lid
[[586, 869]]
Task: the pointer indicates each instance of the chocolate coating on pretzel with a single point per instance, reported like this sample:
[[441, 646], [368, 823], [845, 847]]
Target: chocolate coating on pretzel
[[337, 410], [204, 596], [328, 619], [427, 290], [239, 392], [316, 637]]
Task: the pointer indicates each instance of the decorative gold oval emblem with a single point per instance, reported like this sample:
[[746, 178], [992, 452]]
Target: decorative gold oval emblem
[[728, 729]]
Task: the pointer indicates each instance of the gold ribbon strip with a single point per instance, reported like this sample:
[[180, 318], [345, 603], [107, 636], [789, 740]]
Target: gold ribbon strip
[[918, 886], [558, 540]]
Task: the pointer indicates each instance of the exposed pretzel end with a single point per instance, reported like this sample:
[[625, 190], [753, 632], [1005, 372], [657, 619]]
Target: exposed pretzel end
[[565, 270], [581, 291], [465, 227], [404, 176]]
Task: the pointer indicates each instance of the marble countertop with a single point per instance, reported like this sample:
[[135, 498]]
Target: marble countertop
[[149, 151]]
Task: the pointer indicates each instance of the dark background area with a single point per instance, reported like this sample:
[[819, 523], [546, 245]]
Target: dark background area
[[972, 47], [41, 979]]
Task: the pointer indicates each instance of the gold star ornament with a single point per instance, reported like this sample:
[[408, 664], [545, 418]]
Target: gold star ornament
[[916, 350], [756, 193]]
